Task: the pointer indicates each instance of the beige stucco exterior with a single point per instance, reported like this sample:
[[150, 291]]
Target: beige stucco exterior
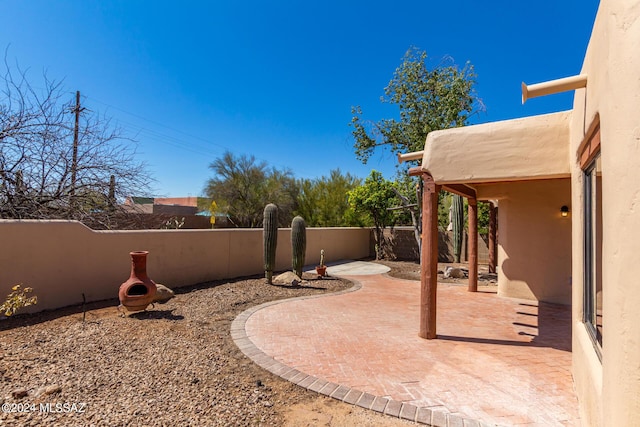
[[523, 164], [609, 390], [530, 148], [532, 228], [551, 265], [62, 260]]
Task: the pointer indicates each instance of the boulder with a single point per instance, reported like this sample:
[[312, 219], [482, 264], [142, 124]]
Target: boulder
[[288, 278], [454, 273], [163, 294]]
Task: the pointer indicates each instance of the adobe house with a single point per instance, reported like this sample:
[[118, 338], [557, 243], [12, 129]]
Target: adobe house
[[568, 189]]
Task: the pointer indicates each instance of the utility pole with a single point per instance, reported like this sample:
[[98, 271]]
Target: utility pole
[[74, 162]]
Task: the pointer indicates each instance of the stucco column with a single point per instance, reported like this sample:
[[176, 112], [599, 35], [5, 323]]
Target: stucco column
[[473, 245], [492, 238], [429, 258]]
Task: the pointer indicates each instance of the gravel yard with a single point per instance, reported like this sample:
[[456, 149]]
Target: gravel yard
[[174, 364]]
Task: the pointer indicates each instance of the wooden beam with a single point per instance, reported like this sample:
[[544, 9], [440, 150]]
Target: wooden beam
[[473, 245], [429, 258], [461, 190], [416, 171], [493, 260]]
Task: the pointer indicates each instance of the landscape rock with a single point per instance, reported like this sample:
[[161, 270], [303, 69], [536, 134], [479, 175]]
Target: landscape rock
[[52, 389], [288, 278], [163, 294], [454, 273], [19, 393]]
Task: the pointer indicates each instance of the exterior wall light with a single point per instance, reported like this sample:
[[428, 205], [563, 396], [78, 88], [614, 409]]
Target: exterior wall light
[[564, 211]]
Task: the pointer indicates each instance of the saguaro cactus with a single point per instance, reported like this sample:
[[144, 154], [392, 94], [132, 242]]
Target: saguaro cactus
[[270, 238], [457, 217], [298, 244]]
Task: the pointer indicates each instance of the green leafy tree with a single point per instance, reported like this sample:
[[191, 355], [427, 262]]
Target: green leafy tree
[[242, 187], [324, 202], [373, 200], [483, 218], [427, 99]]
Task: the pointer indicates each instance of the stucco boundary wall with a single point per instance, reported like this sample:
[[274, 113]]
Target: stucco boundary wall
[[405, 248], [61, 260]]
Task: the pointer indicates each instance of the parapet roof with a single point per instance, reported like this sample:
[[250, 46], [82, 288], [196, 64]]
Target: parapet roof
[[535, 147]]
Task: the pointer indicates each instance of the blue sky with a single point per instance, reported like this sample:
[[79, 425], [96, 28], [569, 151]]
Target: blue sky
[[189, 80]]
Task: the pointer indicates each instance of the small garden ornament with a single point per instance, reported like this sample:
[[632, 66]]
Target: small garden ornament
[[321, 269]]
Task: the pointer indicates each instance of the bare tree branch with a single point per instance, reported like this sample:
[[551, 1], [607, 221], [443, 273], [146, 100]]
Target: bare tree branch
[[36, 146]]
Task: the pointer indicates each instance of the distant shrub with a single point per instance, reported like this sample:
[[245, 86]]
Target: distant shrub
[[173, 223]]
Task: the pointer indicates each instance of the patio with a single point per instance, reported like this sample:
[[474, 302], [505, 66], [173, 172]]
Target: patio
[[496, 360]]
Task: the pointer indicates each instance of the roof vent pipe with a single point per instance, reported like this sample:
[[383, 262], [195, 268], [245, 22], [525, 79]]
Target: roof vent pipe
[[553, 86], [416, 155]]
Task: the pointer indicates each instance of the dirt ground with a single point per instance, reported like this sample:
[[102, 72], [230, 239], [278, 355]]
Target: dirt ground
[[174, 364], [411, 271]]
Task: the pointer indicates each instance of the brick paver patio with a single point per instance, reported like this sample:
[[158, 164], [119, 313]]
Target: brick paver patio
[[497, 360]]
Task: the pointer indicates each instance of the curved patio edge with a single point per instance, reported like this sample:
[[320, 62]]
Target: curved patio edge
[[343, 393]]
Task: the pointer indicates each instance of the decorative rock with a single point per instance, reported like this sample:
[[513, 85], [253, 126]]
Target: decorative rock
[[288, 278], [19, 393], [163, 294], [454, 273], [52, 389]]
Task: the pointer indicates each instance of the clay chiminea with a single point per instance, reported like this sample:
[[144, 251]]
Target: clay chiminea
[[137, 293]]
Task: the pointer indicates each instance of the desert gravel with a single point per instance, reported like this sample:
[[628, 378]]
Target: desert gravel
[[174, 364]]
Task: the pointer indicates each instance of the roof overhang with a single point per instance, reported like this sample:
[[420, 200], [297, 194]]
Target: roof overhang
[[535, 147]]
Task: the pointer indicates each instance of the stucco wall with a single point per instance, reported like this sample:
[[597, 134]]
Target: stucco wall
[[534, 243], [405, 248], [62, 260], [608, 391], [533, 147]]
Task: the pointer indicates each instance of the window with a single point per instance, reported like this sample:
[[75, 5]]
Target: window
[[592, 174], [593, 249]]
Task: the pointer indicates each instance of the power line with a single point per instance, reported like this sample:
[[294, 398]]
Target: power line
[[168, 139], [198, 150]]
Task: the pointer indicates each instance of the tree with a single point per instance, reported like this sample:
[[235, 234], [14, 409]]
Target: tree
[[410, 206], [428, 100], [43, 176], [242, 188], [324, 202], [373, 200]]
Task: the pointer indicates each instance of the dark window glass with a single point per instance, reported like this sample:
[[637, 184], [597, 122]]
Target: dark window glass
[[593, 250]]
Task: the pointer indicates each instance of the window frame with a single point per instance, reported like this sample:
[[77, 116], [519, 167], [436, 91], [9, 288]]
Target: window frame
[[590, 161]]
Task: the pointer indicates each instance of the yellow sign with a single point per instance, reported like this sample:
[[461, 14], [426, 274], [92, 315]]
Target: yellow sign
[[213, 208]]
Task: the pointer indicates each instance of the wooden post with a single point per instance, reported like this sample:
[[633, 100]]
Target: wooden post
[[473, 245], [493, 261], [429, 258]]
